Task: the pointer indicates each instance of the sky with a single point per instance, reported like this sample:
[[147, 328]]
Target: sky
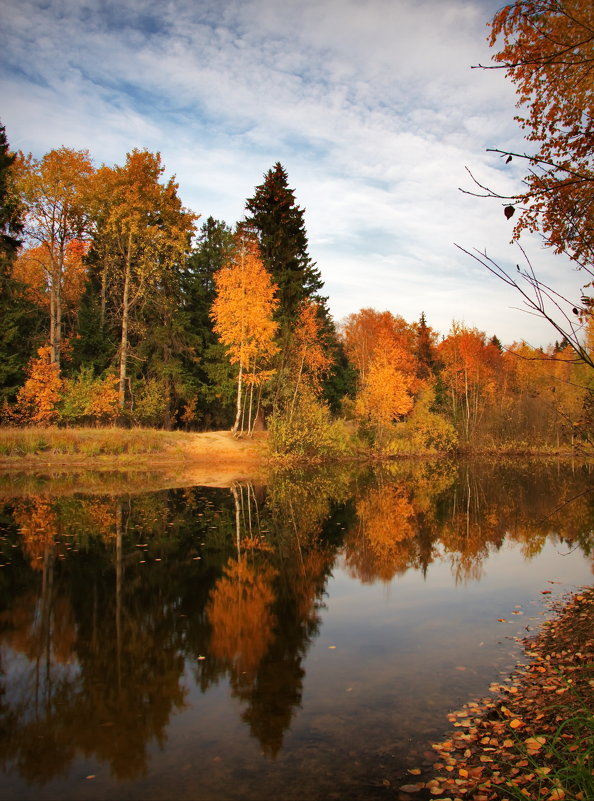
[[372, 107]]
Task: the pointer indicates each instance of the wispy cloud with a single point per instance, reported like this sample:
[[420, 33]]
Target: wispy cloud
[[372, 108]]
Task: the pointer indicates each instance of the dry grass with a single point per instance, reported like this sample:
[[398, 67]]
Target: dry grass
[[18, 442]]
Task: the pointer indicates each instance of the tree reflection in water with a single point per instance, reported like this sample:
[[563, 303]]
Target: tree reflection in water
[[106, 600]]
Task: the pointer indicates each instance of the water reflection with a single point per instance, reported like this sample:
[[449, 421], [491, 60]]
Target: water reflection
[[113, 606]]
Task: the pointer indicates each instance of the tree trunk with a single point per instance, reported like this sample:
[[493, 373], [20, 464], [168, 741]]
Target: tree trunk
[[58, 326], [125, 319], [238, 405]]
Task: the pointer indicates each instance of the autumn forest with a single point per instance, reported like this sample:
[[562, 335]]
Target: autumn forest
[[122, 307]]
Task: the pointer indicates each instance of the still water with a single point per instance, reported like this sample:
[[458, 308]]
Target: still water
[[303, 640]]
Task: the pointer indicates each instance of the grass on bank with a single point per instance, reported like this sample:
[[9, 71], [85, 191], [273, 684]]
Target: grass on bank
[[50, 441]]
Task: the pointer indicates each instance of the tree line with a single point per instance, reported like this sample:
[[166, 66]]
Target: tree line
[[118, 308]]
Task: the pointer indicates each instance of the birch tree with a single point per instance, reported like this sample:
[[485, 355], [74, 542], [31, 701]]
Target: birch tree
[[243, 319]]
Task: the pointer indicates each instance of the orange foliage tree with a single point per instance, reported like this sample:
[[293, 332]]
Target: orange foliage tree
[[242, 314], [470, 374], [312, 361], [362, 331], [239, 612], [54, 190], [33, 268], [382, 349], [38, 397], [547, 49]]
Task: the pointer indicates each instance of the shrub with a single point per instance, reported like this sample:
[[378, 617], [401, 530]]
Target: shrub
[[308, 432]]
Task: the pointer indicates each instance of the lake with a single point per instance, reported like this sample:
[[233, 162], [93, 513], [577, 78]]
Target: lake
[[301, 640]]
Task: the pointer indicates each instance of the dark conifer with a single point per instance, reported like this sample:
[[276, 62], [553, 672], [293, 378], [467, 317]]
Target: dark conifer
[[425, 350], [20, 318], [280, 228]]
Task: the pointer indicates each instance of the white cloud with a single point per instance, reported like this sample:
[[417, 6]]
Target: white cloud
[[372, 108]]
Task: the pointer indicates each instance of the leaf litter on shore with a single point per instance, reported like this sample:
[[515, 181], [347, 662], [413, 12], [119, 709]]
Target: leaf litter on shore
[[535, 739]]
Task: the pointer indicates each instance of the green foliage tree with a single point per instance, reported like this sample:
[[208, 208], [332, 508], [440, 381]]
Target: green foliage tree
[[280, 227], [11, 209], [20, 318], [206, 366], [425, 348]]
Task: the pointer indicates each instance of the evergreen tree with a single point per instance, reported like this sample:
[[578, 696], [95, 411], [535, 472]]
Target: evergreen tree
[[341, 382], [20, 318], [96, 342], [11, 210], [211, 375], [496, 342], [425, 348], [280, 228]]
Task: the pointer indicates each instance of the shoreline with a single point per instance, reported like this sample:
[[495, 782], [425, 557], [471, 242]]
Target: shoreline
[[32, 446], [535, 738], [170, 458]]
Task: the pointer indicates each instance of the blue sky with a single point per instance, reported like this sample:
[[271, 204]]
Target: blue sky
[[372, 108]]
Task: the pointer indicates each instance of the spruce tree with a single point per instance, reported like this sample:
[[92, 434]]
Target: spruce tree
[[425, 349], [280, 227], [11, 211], [211, 374], [20, 318]]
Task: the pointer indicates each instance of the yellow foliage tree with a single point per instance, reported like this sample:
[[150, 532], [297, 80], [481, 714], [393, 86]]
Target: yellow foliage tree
[[242, 315], [386, 393]]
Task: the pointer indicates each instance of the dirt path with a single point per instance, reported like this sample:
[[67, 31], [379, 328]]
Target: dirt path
[[212, 458], [218, 458]]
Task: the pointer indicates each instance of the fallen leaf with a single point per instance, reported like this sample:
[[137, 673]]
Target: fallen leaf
[[516, 723], [534, 744]]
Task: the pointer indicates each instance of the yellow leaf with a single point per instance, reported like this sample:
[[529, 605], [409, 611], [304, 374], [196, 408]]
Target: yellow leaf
[[516, 723]]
